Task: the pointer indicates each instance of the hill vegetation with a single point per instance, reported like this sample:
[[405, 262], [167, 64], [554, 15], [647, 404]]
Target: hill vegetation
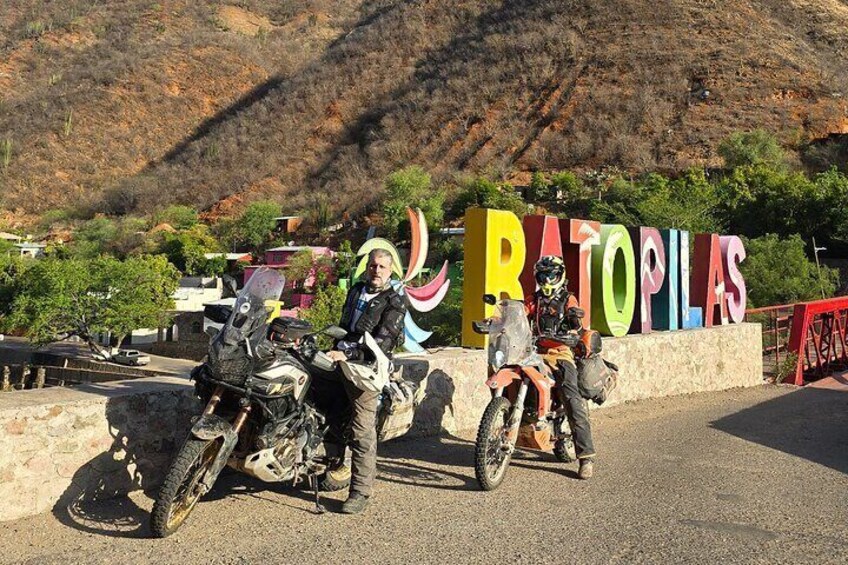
[[127, 108]]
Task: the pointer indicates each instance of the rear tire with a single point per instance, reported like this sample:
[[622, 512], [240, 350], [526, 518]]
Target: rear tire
[[181, 489], [491, 459]]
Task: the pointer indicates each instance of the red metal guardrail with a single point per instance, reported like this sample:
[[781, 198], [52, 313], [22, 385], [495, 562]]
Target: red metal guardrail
[[818, 337], [776, 322]]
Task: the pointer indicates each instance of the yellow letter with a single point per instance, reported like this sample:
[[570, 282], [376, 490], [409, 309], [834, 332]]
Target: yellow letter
[[494, 258]]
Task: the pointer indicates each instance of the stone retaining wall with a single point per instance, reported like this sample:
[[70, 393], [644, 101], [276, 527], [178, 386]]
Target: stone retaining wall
[[61, 448]]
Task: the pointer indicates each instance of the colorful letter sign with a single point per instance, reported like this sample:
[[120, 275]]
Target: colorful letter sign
[[665, 303], [690, 317], [733, 253], [651, 274], [614, 273], [494, 259], [543, 238], [708, 279], [583, 235], [619, 287]]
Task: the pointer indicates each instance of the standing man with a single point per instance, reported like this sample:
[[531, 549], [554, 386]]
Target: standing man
[[373, 306], [553, 311]]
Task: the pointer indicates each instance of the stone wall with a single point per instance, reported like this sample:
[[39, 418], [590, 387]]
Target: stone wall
[[650, 366], [62, 448]]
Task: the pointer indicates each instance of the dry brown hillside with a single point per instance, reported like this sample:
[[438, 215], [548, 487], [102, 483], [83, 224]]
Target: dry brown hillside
[[133, 105]]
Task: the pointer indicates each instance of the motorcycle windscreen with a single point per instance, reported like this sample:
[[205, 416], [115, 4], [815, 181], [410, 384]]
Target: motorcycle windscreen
[[249, 312], [512, 342]]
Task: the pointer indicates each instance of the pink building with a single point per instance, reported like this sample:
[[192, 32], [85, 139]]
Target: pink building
[[279, 257]]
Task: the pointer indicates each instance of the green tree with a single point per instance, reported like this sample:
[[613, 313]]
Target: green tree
[[445, 321], [777, 271], [11, 271], [106, 236], [255, 227], [573, 194], [178, 217], [93, 237], [540, 188], [756, 147], [58, 299], [186, 250], [484, 193], [304, 264], [411, 187], [325, 310], [688, 202], [760, 199], [345, 260]]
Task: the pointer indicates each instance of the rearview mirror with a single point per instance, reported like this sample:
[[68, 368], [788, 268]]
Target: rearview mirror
[[490, 299], [335, 332]]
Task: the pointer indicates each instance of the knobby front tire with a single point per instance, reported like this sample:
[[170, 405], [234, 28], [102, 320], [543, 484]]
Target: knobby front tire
[[182, 489], [491, 456]]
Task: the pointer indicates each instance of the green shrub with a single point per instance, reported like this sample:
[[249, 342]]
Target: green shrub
[[326, 309], [756, 147], [411, 187], [445, 321], [777, 271], [484, 193], [179, 217]]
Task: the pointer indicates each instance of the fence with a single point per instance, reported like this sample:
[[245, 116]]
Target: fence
[[776, 322], [25, 377], [818, 337]]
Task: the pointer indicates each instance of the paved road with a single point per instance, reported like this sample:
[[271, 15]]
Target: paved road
[[745, 476]]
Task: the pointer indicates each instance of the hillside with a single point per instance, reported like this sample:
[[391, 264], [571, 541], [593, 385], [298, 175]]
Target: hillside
[[126, 107]]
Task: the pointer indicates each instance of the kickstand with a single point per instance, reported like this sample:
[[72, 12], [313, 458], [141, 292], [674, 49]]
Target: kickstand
[[313, 480]]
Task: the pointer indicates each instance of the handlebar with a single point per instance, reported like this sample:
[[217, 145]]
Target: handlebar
[[480, 327], [570, 340]]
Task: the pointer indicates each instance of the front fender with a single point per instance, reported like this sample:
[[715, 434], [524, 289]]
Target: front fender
[[502, 379], [211, 426], [207, 428]]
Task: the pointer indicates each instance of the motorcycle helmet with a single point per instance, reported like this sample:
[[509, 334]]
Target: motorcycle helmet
[[550, 274]]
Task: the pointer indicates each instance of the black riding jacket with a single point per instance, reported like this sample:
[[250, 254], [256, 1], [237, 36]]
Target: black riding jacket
[[383, 318]]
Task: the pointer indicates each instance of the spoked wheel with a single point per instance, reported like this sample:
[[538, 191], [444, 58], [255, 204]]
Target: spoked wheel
[[492, 452], [182, 487]]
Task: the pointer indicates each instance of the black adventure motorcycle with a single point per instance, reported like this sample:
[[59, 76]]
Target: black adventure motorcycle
[[259, 418]]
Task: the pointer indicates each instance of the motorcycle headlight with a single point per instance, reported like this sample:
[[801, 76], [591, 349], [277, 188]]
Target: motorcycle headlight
[[499, 358]]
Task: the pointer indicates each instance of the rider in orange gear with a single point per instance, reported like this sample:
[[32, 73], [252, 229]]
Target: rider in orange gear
[[553, 311]]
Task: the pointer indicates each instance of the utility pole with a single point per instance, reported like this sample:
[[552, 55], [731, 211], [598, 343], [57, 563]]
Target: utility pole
[[818, 265]]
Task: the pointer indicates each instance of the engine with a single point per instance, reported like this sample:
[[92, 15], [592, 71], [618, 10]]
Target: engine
[[290, 453]]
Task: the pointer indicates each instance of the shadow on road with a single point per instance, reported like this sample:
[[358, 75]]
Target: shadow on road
[[96, 501], [232, 483], [808, 423], [422, 462]]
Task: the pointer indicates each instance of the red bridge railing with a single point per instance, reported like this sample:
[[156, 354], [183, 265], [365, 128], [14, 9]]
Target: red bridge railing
[[776, 322], [818, 338]]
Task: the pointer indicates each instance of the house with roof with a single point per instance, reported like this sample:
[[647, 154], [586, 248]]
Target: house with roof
[[278, 258], [10, 237], [30, 249]]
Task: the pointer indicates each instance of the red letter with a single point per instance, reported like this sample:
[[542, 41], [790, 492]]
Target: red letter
[[708, 279]]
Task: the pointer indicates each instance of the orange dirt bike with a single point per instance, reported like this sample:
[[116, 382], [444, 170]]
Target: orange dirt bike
[[525, 410]]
